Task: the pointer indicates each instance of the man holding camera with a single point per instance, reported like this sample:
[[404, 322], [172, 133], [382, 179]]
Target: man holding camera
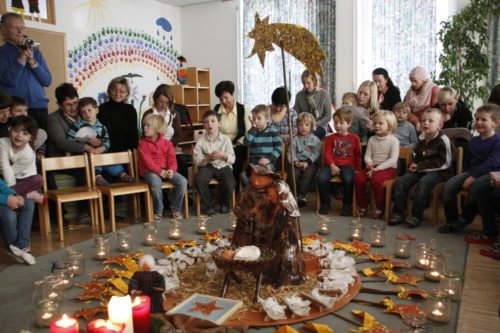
[[23, 70]]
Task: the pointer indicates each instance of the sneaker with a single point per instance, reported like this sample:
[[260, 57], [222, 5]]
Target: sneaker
[[378, 214], [479, 238], [413, 221], [224, 209], [323, 210], [362, 212], [127, 178], [491, 250], [302, 202], [37, 197], [157, 218], [177, 214], [23, 254], [396, 219], [210, 212], [100, 181], [346, 211]]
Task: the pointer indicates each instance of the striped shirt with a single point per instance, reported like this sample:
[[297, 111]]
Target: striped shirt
[[102, 132], [263, 144]]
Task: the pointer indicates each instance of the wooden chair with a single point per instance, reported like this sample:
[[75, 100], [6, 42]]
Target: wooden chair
[[121, 188], [196, 196], [60, 196], [165, 185], [405, 155]]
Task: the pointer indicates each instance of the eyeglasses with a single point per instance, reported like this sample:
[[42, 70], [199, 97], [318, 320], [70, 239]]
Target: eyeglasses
[[70, 106]]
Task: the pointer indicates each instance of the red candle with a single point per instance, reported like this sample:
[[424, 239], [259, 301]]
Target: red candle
[[141, 314], [104, 326], [64, 325]]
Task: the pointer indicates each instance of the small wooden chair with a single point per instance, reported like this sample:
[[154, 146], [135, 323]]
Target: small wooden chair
[[405, 155], [60, 196], [196, 196], [165, 185], [120, 188]]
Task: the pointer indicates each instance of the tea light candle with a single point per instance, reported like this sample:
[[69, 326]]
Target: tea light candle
[[231, 222], [124, 240], [377, 235], [402, 246], [104, 326], [174, 231], [438, 306], [451, 284], [433, 276], [150, 233], [438, 316], [141, 314], [46, 312], [356, 230], [120, 312], [64, 325], [102, 250]]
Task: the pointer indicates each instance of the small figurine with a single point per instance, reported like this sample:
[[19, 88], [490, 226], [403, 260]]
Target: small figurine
[[148, 282]]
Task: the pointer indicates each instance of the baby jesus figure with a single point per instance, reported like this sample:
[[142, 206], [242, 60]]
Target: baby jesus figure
[[148, 282]]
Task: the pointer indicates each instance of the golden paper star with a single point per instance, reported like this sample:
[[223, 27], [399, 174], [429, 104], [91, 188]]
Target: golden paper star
[[205, 308]]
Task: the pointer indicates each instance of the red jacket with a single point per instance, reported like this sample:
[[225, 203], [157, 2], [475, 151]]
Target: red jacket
[[343, 150], [156, 155]]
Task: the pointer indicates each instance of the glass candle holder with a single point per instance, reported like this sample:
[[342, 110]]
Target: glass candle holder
[[435, 266], [202, 225], [438, 307], [150, 234], [421, 256], [46, 312], [324, 225], [102, 248], [52, 289], [402, 246], [377, 235], [356, 229], [231, 221], [174, 230], [124, 241], [66, 277], [76, 262], [451, 284]]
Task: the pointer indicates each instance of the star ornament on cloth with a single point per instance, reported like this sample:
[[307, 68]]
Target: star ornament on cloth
[[403, 278], [370, 324], [401, 309], [212, 236], [89, 313], [376, 257], [404, 293], [205, 308], [296, 40], [318, 328]]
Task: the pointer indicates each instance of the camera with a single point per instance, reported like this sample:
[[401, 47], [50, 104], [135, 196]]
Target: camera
[[27, 43]]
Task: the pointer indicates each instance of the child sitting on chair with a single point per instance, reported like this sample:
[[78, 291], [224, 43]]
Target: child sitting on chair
[[18, 161], [157, 163], [485, 157], [306, 151], [91, 131], [431, 165], [213, 154], [405, 132], [262, 140], [342, 157], [381, 160]]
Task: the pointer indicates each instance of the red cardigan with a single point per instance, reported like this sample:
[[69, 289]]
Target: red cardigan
[[156, 155], [343, 150]]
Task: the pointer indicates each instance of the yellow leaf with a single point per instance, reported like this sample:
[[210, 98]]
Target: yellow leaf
[[285, 329], [131, 265], [319, 328], [119, 284], [370, 272]]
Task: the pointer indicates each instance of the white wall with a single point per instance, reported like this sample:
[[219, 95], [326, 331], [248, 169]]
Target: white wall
[[79, 20], [210, 39]]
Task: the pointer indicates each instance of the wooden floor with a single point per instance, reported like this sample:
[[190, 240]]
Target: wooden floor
[[479, 309]]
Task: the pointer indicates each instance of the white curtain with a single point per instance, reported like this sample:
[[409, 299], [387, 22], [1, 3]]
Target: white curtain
[[318, 16], [404, 36]]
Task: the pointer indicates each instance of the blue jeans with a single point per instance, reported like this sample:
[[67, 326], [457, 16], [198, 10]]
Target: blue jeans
[[155, 182], [16, 224], [346, 175], [425, 182], [485, 202], [450, 191], [113, 170]]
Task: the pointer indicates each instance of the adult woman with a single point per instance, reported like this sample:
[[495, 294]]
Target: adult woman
[[388, 93], [314, 100], [235, 122], [455, 112], [421, 95], [280, 114], [163, 104]]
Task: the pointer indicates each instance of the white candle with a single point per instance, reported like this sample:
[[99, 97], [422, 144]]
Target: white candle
[[120, 312], [437, 312]]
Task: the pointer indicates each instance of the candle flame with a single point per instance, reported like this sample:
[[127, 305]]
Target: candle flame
[[65, 321], [137, 301]]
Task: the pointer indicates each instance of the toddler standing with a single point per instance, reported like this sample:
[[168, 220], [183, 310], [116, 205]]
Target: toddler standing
[[381, 159], [306, 151], [157, 162]]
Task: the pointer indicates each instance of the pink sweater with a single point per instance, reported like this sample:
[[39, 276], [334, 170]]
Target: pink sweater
[[156, 155]]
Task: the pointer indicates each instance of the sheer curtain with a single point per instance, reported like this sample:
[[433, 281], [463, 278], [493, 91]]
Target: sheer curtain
[[404, 36], [318, 16]]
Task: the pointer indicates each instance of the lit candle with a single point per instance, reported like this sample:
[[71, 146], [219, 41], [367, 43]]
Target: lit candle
[[120, 312], [141, 313], [54, 296], [46, 311], [124, 247], [104, 326], [64, 325], [433, 276], [438, 316], [100, 255]]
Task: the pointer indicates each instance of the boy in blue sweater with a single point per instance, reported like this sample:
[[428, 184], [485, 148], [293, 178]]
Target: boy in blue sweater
[[484, 152], [263, 141]]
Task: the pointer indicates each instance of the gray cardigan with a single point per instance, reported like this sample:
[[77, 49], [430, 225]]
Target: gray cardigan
[[323, 106], [58, 126]]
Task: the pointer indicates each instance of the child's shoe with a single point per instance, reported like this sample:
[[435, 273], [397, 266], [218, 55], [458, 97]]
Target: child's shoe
[[23, 254], [37, 197], [100, 181], [346, 211], [378, 214], [479, 238], [177, 214], [157, 218], [413, 221], [491, 250], [362, 211], [127, 178], [396, 219]]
